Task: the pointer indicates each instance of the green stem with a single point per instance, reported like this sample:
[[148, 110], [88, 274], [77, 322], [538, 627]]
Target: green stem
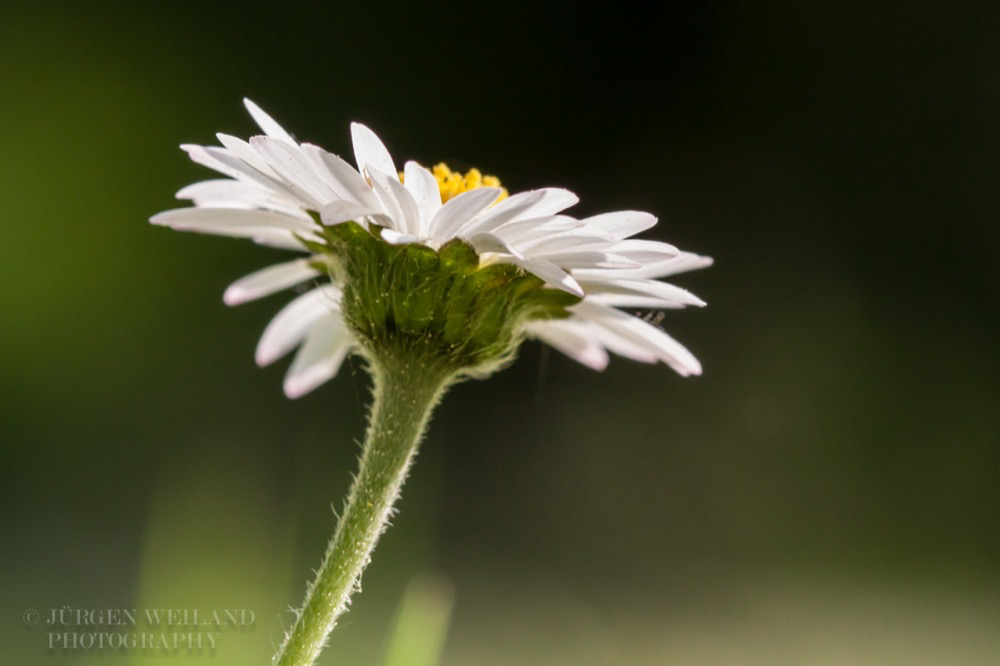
[[404, 394]]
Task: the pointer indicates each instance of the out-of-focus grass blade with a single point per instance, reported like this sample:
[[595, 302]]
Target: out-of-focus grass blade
[[215, 541], [421, 623]]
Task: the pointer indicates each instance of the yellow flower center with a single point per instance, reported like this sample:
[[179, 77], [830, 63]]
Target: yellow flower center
[[452, 183]]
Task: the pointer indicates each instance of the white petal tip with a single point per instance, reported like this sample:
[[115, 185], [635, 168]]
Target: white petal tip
[[573, 287], [596, 361], [234, 296], [393, 237], [686, 367], [265, 357], [569, 283], [295, 389], [299, 384], [160, 220], [361, 132], [267, 123]]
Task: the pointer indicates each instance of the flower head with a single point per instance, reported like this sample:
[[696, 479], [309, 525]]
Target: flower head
[[428, 261]]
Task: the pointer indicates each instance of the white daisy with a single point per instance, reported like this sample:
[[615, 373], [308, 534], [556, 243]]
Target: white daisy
[[280, 193]]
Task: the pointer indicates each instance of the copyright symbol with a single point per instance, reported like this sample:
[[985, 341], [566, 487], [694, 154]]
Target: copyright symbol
[[30, 617]]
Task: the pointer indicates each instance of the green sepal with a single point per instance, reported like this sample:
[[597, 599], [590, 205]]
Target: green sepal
[[314, 246], [551, 303], [459, 255], [439, 304]]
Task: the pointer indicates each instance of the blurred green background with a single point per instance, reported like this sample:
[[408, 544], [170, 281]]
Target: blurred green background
[[827, 493]]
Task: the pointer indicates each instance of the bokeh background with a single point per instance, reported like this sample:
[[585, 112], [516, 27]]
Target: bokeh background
[[827, 493]]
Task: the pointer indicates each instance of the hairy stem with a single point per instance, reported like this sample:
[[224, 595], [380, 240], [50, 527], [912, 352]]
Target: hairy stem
[[404, 394]]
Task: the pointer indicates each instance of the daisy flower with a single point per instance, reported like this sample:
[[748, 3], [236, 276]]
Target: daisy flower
[[352, 222], [431, 275]]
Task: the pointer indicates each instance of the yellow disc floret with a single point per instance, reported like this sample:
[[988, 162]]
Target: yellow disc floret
[[452, 183]]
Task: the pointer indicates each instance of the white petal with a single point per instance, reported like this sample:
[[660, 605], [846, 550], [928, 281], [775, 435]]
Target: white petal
[[458, 210], [573, 239], [510, 209], [269, 280], [290, 325], [490, 243], [642, 333], [237, 168], [370, 152], [263, 235], [568, 339], [397, 201], [550, 273], [644, 251], [634, 301], [319, 358], [267, 123], [340, 176], [393, 237], [201, 219], [270, 236], [291, 165], [284, 240], [226, 193], [535, 203], [683, 262], [200, 155], [387, 203], [589, 259], [524, 231], [554, 200], [228, 164], [242, 150], [670, 295], [622, 223], [621, 345], [224, 190], [337, 212], [424, 188]]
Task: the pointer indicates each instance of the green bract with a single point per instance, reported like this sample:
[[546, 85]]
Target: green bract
[[443, 305]]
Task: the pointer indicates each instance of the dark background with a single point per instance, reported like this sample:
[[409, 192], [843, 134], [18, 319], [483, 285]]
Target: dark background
[[826, 493]]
